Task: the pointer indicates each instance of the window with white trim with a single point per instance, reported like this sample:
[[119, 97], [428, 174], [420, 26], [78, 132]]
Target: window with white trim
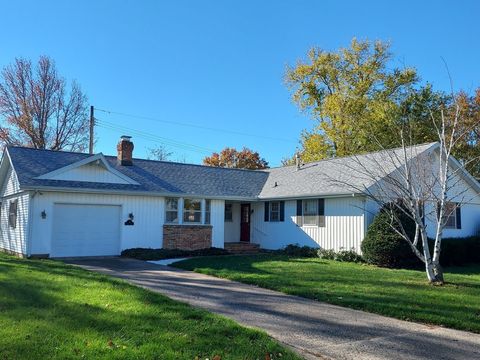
[[171, 210], [275, 211], [192, 211], [310, 212], [12, 213], [450, 215]]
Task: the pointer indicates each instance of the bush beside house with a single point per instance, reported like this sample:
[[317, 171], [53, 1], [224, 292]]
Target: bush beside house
[[459, 252], [342, 255], [160, 254], [384, 247]]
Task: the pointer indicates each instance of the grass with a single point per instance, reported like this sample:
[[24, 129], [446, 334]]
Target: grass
[[55, 311], [403, 294]]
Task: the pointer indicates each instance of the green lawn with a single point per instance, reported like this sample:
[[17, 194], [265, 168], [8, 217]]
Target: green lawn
[[49, 310], [403, 294]]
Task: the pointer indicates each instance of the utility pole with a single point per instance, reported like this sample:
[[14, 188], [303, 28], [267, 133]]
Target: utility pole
[[92, 124]]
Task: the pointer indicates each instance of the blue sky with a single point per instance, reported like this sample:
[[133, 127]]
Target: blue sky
[[220, 64]]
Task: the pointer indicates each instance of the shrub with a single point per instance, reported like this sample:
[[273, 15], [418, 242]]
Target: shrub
[[327, 254], [382, 246], [160, 254], [342, 255], [299, 251], [459, 251], [348, 256]]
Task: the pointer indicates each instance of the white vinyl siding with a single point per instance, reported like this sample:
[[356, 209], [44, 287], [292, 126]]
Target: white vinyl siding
[[11, 185], [92, 173], [470, 213], [232, 228], [470, 209], [217, 217], [13, 239], [344, 226], [148, 211]]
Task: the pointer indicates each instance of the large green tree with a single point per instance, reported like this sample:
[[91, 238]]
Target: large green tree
[[360, 103], [420, 114], [353, 94], [467, 149]]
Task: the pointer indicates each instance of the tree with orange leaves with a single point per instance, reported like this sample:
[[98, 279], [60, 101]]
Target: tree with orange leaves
[[232, 158]]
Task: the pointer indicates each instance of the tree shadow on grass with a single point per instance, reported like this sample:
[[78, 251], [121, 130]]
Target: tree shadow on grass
[[51, 310], [315, 326], [399, 293]]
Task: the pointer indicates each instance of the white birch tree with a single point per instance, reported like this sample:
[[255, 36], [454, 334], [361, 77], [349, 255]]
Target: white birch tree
[[425, 183]]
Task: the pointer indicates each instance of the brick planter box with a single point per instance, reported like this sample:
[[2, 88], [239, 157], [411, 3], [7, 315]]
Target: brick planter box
[[187, 237]]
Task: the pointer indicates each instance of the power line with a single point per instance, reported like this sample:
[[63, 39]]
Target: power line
[[151, 137], [196, 126], [163, 142]]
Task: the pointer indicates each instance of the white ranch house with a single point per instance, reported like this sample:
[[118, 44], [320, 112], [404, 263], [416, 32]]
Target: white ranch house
[[63, 204]]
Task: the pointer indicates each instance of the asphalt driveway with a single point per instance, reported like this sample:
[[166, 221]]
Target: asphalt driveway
[[314, 329]]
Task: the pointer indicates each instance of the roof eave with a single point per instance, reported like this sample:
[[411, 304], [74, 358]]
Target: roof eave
[[133, 193], [312, 196], [168, 194]]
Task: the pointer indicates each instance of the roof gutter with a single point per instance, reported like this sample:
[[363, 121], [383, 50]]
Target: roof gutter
[[313, 196], [166, 194], [134, 193]]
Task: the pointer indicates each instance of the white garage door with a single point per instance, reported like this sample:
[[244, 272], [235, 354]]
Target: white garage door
[[85, 230]]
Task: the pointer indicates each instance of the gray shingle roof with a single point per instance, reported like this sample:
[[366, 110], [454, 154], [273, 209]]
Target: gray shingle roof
[[326, 177], [153, 176], [335, 176]]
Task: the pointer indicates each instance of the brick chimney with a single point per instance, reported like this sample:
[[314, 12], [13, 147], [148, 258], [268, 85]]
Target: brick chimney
[[125, 151]]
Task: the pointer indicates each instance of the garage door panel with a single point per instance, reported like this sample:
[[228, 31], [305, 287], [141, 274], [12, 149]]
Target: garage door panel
[[85, 230]]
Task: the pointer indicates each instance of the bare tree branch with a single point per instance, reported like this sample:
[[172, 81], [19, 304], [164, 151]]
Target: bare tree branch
[[37, 109]]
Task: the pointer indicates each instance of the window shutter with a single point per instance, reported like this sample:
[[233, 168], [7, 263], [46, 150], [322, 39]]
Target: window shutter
[[282, 210], [321, 212], [421, 210], [299, 213], [458, 216], [267, 211]]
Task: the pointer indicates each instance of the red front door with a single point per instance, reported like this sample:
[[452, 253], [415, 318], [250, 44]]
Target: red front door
[[245, 222]]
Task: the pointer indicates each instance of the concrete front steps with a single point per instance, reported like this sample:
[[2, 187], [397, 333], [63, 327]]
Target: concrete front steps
[[242, 248]]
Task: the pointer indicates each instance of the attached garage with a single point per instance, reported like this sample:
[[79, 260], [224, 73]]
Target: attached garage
[[85, 230]]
